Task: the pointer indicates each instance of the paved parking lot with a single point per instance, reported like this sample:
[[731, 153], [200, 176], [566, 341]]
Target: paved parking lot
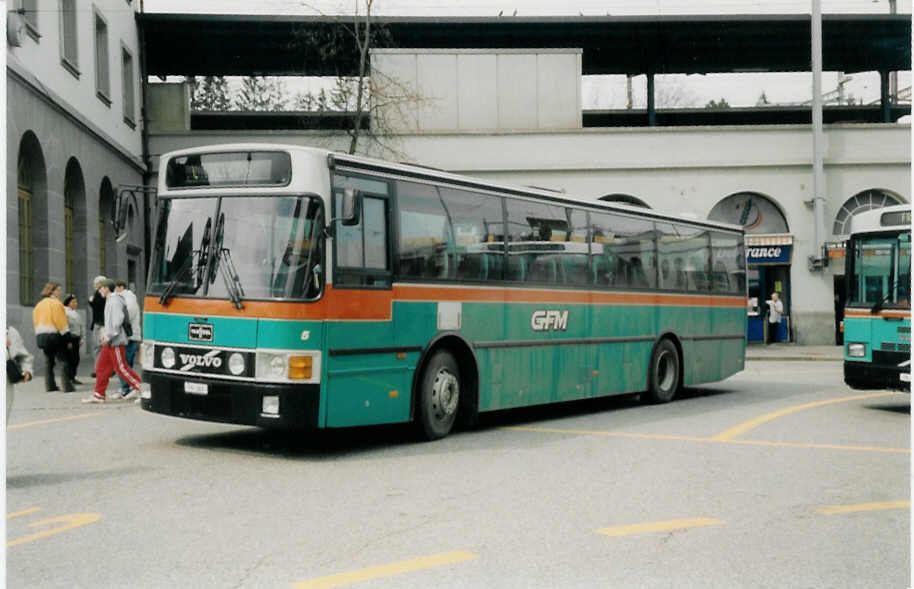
[[777, 477]]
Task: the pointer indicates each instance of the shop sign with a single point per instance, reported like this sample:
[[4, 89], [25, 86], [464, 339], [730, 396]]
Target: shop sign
[[768, 254]]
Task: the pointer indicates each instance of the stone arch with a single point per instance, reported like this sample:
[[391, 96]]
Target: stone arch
[[866, 200], [32, 206], [76, 249], [626, 199], [754, 211], [107, 243]]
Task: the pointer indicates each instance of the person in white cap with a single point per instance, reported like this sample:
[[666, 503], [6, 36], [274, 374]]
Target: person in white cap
[[114, 341]]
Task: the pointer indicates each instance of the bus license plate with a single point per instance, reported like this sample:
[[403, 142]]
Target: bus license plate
[[905, 377], [196, 388]]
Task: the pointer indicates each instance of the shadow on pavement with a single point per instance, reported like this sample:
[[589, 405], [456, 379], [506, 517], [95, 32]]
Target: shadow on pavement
[[900, 407], [44, 479], [338, 443]]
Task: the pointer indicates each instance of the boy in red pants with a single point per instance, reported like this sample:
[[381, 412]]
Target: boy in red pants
[[112, 356]]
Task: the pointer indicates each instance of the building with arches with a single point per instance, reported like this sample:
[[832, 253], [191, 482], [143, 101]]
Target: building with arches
[[74, 138]]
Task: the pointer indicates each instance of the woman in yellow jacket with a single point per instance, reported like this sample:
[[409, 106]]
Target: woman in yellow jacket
[[50, 320]]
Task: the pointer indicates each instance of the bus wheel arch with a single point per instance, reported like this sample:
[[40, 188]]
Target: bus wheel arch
[[462, 353], [665, 369]]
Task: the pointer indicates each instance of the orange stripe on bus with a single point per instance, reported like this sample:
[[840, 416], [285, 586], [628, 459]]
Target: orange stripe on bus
[[863, 313], [376, 305]]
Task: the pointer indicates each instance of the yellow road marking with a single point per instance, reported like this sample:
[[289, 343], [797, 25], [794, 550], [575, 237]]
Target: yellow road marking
[[23, 512], [387, 570], [55, 420], [675, 524], [886, 449], [73, 520], [836, 509], [582, 432], [754, 423]]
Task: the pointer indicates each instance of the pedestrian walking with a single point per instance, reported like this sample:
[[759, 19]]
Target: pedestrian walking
[[75, 324], [775, 309], [18, 366], [51, 330], [136, 335], [97, 304], [114, 340]]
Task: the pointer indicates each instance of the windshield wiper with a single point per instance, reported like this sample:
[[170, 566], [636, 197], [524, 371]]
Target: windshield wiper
[[230, 277], [170, 287], [881, 302]]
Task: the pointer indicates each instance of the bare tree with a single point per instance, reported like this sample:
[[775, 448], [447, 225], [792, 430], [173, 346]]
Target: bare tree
[[259, 93], [210, 93], [367, 97]]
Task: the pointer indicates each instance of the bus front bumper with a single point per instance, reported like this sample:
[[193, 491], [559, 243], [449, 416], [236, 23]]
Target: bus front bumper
[[866, 376], [240, 403]]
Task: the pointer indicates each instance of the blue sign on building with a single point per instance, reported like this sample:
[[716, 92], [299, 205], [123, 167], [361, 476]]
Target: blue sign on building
[[768, 254]]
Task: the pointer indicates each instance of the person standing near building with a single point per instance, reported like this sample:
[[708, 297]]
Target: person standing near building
[[114, 341], [75, 323], [51, 330], [136, 335], [775, 309], [97, 304], [18, 366]]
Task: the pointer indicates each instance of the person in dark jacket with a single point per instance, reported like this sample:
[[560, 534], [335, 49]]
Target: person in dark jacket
[[94, 331]]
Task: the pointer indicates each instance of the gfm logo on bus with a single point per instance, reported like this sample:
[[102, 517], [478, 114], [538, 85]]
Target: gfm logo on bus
[[543, 320], [203, 360]]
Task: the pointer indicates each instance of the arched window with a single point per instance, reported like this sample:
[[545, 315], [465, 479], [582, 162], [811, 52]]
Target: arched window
[[754, 212], [625, 199], [32, 204], [863, 201], [26, 261], [107, 246], [74, 216]]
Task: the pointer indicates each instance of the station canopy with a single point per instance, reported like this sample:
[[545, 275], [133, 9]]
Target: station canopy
[[243, 45]]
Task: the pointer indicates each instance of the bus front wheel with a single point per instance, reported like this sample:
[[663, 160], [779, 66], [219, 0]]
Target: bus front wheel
[[663, 378], [439, 395]]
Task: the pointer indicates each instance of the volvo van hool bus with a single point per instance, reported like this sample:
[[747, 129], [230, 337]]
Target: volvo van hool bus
[[877, 317], [296, 287]]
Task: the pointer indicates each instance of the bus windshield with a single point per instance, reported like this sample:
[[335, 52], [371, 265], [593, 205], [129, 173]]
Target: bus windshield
[[239, 247], [882, 270]]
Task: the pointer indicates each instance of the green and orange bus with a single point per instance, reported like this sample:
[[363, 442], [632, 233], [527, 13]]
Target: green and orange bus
[[877, 317], [295, 287]]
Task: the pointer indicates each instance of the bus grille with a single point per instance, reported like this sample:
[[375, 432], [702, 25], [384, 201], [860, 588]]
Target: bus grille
[[893, 347]]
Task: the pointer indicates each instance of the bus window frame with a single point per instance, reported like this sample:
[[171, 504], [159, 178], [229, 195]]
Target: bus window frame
[[850, 268], [386, 276]]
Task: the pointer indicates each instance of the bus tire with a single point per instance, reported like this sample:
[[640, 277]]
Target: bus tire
[[439, 396], [663, 375]]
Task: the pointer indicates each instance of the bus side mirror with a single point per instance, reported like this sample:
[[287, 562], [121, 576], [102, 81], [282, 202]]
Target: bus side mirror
[[352, 207]]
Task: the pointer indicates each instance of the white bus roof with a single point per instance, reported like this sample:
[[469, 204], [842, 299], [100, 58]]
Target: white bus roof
[[893, 218]]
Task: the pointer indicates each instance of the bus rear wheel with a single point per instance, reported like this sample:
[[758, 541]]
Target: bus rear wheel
[[663, 378], [439, 395]]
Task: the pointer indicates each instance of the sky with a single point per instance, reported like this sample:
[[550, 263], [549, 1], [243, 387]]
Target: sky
[[605, 92]]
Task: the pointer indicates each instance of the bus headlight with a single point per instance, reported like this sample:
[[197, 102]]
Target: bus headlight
[[236, 363], [148, 355], [856, 350], [298, 366], [168, 357], [278, 366]]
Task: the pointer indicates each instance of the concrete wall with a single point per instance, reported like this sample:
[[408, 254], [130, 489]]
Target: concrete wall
[[477, 90]]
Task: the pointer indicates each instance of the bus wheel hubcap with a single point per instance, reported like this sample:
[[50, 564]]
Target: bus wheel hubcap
[[445, 394], [666, 371]]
